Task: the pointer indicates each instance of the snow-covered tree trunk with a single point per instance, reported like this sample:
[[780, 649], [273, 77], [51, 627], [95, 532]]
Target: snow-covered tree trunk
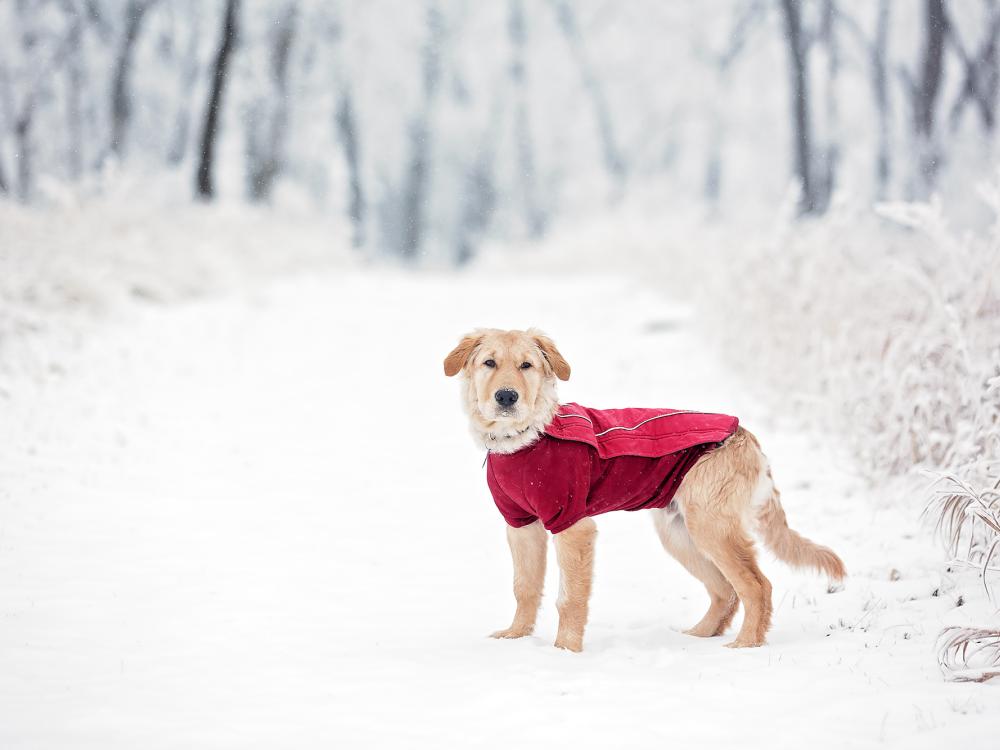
[[6, 107], [347, 132], [189, 76], [121, 93], [924, 95], [21, 109], [204, 184], [831, 152], [534, 217], [267, 125], [74, 91], [614, 162], [748, 16], [880, 89], [418, 170], [713, 163], [479, 197], [801, 127], [982, 72], [22, 139], [876, 49]]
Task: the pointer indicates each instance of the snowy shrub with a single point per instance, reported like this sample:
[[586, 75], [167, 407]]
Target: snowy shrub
[[887, 333]]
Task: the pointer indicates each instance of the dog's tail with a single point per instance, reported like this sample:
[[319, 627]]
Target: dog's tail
[[791, 547]]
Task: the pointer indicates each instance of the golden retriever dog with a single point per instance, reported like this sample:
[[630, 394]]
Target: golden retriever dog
[[724, 499]]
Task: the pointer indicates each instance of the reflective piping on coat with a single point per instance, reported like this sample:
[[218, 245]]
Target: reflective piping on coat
[[629, 429]]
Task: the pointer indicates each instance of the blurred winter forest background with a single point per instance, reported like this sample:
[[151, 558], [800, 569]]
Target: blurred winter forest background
[[434, 127], [817, 177]]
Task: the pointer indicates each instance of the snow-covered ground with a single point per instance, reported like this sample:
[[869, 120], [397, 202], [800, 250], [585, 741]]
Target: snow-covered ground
[[257, 520]]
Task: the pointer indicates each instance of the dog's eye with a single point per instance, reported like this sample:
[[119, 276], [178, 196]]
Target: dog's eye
[[525, 365], [490, 363]]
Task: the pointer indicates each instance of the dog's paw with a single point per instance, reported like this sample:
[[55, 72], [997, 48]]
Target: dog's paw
[[570, 644], [702, 631], [740, 643], [511, 633]]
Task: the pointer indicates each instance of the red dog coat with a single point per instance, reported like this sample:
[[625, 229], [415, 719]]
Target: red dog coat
[[592, 461]]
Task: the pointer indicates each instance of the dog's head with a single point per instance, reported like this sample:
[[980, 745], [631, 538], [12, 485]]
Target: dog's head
[[510, 382]]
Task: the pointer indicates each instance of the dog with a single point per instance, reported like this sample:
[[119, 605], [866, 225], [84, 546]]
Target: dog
[[552, 467]]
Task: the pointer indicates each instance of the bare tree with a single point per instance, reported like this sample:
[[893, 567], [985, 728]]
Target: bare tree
[[6, 109], [809, 202], [347, 131], [42, 51], [930, 80], [417, 175], [479, 194], [748, 17], [924, 94], [831, 152], [268, 120], [189, 69], [877, 51], [19, 110], [479, 200], [74, 89], [121, 94], [614, 162], [982, 75], [22, 137], [534, 217], [204, 185], [880, 88]]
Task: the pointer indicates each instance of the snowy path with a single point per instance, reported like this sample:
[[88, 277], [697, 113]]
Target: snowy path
[[259, 522]]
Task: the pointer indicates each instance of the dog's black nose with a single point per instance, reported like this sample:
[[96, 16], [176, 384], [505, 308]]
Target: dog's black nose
[[506, 397]]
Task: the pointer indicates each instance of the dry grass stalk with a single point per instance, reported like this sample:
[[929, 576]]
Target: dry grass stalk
[[969, 654], [967, 520]]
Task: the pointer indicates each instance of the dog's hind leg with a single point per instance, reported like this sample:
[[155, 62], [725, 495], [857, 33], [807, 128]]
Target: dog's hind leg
[[527, 548], [676, 540], [575, 552], [726, 544], [716, 498]]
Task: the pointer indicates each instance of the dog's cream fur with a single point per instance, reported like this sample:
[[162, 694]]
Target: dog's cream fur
[[725, 497]]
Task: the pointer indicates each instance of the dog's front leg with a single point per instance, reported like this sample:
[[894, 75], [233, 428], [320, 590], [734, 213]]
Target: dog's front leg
[[527, 548], [575, 553]]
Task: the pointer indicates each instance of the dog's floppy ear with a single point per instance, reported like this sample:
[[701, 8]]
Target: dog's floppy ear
[[556, 360], [459, 356]]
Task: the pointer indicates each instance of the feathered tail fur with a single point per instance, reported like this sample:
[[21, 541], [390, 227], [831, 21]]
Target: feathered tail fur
[[791, 547]]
